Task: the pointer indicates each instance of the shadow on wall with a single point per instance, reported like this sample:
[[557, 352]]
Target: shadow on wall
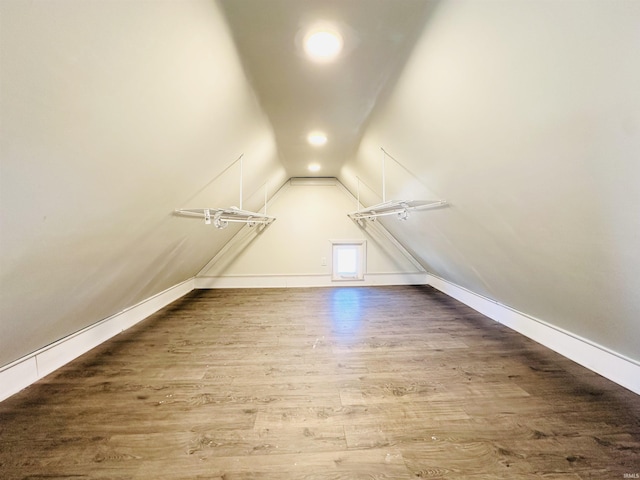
[[240, 242]]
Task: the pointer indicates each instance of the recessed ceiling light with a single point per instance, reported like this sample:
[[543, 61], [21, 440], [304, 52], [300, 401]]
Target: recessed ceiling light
[[314, 167], [317, 138], [322, 45]]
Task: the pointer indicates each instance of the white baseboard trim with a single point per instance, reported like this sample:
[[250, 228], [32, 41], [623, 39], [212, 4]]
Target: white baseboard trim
[[617, 368], [23, 372], [30, 368], [310, 280]]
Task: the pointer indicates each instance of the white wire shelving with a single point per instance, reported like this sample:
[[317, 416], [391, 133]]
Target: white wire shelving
[[221, 217], [400, 208]]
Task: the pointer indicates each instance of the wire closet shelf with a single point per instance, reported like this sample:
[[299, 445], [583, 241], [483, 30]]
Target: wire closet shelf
[[221, 217], [400, 208]]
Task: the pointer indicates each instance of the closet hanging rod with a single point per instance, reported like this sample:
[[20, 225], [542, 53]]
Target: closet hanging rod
[[221, 217], [401, 208]]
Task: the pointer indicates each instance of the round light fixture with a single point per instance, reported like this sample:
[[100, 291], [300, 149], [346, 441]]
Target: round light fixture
[[323, 45], [317, 139], [314, 167]]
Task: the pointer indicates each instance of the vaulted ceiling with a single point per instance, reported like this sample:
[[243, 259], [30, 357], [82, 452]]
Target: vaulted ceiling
[[337, 97]]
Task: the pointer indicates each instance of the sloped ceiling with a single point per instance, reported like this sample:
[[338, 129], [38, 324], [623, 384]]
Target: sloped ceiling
[[528, 122], [113, 115], [299, 95]]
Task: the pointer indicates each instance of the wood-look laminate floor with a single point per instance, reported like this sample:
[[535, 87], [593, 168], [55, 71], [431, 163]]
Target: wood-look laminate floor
[[342, 383]]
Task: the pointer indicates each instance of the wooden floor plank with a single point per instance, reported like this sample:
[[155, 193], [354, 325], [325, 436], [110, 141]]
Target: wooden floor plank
[[320, 383]]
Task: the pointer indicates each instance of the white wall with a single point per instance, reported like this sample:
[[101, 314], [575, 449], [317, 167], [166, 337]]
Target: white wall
[[113, 115], [310, 213], [526, 117]]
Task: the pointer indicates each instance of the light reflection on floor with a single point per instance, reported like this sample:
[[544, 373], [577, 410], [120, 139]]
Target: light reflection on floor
[[346, 313]]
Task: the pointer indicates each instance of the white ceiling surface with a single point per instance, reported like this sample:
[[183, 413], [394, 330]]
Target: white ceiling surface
[[300, 95]]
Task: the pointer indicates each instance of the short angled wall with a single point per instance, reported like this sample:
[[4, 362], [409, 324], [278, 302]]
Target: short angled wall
[[27, 370], [609, 364], [312, 280]]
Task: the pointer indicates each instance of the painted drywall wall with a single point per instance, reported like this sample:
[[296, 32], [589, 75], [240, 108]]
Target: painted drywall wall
[[113, 115], [525, 116], [310, 213]]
